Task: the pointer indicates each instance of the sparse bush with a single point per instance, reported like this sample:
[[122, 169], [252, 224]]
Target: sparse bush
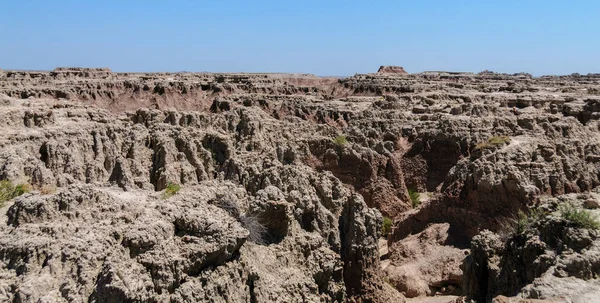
[[258, 231], [415, 198], [527, 220], [171, 190], [493, 142], [522, 221], [579, 217], [229, 205], [386, 228], [340, 140], [8, 191], [21, 189]]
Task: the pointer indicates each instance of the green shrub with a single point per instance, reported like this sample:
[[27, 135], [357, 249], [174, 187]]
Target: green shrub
[[579, 217], [493, 142], [8, 191], [521, 222], [171, 190], [21, 189], [415, 198], [340, 140], [527, 220], [386, 228]]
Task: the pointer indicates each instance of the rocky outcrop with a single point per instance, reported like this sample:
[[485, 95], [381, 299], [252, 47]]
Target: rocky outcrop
[[103, 244], [391, 70], [129, 91], [362, 272], [77, 72], [285, 180], [426, 264], [376, 175], [542, 255], [109, 233]]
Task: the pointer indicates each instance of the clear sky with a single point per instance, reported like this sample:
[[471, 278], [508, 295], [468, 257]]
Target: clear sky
[[324, 37]]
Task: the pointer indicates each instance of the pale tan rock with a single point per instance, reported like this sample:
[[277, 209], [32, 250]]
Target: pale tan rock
[[280, 173], [424, 264]]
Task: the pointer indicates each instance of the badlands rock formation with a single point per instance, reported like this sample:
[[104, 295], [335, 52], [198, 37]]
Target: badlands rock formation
[[391, 70], [286, 180]]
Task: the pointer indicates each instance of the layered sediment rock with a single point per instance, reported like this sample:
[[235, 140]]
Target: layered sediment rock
[[285, 180]]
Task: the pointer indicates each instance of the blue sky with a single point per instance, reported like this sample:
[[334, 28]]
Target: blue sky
[[324, 37]]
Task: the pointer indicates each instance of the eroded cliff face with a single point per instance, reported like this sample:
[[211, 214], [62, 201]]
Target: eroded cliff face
[[285, 182], [552, 254]]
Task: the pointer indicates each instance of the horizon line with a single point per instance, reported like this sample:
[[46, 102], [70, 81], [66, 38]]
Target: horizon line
[[108, 69]]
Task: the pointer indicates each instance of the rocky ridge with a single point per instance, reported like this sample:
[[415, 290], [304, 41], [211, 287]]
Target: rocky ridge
[[285, 181]]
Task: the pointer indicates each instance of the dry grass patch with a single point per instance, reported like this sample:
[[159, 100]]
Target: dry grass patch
[[493, 142]]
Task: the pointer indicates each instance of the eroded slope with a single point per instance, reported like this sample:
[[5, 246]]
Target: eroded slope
[[285, 182]]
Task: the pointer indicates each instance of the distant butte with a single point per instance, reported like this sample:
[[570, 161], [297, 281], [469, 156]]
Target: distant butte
[[390, 69]]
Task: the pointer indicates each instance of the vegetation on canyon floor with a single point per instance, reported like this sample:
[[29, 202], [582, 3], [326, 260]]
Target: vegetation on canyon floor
[[415, 198], [386, 228]]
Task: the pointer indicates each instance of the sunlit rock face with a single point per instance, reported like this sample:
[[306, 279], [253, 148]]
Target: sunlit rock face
[[201, 187]]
